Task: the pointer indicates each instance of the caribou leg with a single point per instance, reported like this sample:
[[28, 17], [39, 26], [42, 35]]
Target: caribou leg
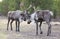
[[49, 29], [40, 27], [18, 26], [8, 23], [11, 24], [36, 28]]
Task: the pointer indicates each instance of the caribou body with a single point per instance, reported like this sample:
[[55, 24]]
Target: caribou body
[[40, 16], [18, 16]]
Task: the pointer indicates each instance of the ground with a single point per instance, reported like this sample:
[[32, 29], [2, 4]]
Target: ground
[[28, 31]]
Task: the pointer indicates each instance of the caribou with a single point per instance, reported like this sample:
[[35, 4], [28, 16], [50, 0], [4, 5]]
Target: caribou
[[39, 16], [17, 16]]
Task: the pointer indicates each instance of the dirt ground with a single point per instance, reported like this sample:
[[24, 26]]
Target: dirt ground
[[28, 31]]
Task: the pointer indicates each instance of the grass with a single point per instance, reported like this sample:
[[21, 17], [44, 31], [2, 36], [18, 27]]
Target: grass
[[3, 36], [27, 31]]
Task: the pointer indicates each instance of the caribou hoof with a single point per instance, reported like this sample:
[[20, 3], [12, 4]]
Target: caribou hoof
[[47, 34], [17, 30], [36, 34], [41, 32], [7, 29], [11, 29]]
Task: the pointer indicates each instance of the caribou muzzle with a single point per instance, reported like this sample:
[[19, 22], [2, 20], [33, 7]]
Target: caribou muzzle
[[24, 19], [29, 22]]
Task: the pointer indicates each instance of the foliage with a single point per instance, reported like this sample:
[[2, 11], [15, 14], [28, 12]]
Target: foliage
[[8, 5]]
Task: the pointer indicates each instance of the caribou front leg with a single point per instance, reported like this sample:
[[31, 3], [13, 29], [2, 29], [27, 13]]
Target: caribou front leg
[[40, 27], [11, 24], [8, 23], [49, 29], [36, 28], [18, 26]]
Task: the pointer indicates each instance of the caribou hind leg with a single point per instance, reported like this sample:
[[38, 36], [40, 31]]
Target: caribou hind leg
[[8, 23], [36, 28], [11, 24], [40, 28]]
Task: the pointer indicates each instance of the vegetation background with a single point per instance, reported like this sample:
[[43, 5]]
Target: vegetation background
[[8, 5]]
